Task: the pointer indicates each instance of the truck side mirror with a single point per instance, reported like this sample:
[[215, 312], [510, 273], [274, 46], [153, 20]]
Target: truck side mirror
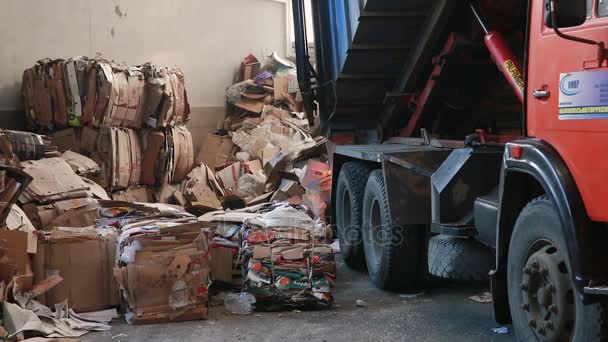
[[569, 13]]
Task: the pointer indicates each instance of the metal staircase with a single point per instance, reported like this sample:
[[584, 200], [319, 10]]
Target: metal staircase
[[369, 49]]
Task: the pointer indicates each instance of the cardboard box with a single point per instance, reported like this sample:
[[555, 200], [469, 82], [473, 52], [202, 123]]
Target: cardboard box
[[85, 262], [216, 151]]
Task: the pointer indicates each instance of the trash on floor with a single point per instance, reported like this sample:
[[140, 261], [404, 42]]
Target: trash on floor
[[484, 298], [501, 330]]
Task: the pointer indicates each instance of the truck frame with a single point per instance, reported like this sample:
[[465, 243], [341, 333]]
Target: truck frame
[[453, 159]]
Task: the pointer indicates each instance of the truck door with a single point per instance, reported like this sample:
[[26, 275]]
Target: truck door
[[567, 99]]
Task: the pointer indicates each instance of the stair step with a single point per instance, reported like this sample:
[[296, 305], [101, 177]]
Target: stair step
[[398, 5], [368, 76], [399, 14]]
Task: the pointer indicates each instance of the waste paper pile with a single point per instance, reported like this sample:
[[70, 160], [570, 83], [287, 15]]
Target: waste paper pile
[[106, 210]]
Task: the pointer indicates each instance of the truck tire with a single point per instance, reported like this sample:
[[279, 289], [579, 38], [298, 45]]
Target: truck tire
[[349, 205], [543, 300], [393, 253], [459, 259]]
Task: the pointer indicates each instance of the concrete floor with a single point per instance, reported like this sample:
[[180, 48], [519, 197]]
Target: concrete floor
[[443, 314]]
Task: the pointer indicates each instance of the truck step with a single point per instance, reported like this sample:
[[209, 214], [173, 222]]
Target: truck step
[[599, 290], [485, 210]]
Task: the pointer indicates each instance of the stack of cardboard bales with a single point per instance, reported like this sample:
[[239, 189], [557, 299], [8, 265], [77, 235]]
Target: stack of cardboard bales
[[126, 118], [94, 92]]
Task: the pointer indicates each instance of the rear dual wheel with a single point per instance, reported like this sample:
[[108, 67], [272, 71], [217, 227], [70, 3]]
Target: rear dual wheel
[[349, 206], [544, 302], [394, 254]]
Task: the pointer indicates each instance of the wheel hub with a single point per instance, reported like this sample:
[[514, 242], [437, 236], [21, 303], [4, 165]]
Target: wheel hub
[[548, 295]]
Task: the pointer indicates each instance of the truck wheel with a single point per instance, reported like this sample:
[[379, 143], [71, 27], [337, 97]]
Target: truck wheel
[[349, 205], [544, 302], [459, 259], [392, 252]]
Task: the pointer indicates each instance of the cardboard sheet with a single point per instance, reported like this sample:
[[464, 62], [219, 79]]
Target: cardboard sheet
[[85, 263]]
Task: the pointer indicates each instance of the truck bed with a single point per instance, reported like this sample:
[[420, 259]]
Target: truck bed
[[374, 51]]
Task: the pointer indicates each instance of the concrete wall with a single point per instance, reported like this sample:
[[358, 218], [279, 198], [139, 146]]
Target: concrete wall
[[206, 38]]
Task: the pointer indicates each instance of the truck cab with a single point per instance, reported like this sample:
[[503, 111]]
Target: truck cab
[[466, 144]]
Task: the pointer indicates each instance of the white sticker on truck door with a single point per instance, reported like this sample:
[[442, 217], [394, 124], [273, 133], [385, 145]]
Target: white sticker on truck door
[[583, 95]]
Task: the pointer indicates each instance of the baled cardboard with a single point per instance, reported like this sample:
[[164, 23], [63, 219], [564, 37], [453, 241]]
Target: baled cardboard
[[168, 278]]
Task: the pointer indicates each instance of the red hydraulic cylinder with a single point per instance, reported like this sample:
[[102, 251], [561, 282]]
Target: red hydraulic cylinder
[[506, 62]]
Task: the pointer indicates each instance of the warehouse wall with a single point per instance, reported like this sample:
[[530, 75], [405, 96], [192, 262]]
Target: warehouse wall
[[206, 38]]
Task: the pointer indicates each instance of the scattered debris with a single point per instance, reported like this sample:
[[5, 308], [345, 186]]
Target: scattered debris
[[411, 295], [501, 330], [484, 298]]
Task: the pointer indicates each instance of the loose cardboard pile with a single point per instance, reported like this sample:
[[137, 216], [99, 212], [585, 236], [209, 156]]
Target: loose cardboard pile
[[83, 166], [93, 92], [57, 196], [266, 142], [53, 180], [23, 315]]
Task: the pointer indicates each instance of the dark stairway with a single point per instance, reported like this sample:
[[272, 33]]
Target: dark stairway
[[385, 43]]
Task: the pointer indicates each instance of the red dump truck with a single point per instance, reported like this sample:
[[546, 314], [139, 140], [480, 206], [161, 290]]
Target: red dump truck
[[469, 142]]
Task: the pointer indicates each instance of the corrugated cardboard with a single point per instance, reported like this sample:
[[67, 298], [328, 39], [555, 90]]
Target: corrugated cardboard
[[202, 189], [155, 141], [133, 194], [88, 139], [221, 264], [14, 258], [80, 164], [216, 151], [86, 91], [53, 179], [85, 263], [67, 140], [183, 159], [168, 279]]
